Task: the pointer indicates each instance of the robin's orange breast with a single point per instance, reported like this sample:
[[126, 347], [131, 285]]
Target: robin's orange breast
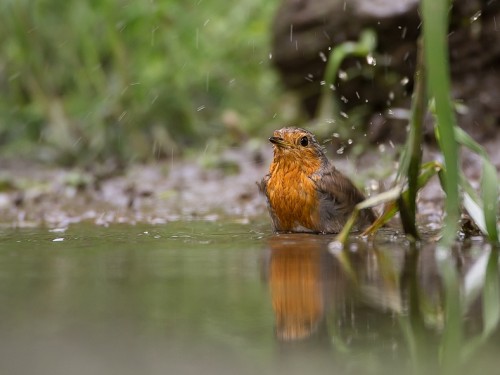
[[293, 199]]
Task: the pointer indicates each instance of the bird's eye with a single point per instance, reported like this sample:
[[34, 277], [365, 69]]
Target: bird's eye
[[304, 141]]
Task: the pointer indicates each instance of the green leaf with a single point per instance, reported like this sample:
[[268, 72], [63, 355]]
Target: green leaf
[[475, 212], [453, 340], [491, 295], [366, 45], [490, 301], [435, 31], [489, 186]]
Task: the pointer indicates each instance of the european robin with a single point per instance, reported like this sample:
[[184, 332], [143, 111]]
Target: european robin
[[305, 192]]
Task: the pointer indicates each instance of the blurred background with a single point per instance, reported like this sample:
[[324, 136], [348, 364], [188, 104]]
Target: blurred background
[[129, 81], [132, 81]]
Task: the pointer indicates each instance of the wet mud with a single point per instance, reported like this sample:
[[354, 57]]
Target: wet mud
[[33, 195]]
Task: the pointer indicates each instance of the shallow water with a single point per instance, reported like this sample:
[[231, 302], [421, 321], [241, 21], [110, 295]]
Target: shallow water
[[225, 298]]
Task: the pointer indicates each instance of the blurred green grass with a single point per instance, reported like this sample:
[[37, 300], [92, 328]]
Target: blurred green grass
[[91, 80]]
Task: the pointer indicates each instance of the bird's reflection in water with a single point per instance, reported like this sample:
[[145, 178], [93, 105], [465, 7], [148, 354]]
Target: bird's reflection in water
[[310, 281], [379, 299], [301, 275]]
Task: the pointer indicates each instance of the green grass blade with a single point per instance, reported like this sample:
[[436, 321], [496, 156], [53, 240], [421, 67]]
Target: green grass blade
[[475, 212], [366, 45], [491, 295], [490, 305], [466, 140], [387, 196], [452, 340], [489, 184], [427, 171], [412, 159], [467, 188], [435, 28]]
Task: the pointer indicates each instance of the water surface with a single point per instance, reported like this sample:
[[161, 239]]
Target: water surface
[[215, 298]]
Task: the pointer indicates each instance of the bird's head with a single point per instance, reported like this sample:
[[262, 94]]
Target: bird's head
[[297, 145]]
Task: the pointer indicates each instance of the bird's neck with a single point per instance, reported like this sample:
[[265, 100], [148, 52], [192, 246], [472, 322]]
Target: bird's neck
[[307, 166]]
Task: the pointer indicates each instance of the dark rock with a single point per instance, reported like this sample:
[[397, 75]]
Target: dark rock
[[305, 32]]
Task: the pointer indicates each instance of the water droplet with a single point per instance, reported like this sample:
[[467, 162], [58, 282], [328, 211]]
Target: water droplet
[[442, 253], [335, 247], [59, 239], [475, 16], [336, 135], [343, 114], [200, 108], [343, 75], [340, 151], [349, 141], [405, 81], [374, 185], [270, 56], [58, 230], [391, 95], [322, 56], [403, 33], [381, 148], [371, 60], [322, 83], [344, 99]]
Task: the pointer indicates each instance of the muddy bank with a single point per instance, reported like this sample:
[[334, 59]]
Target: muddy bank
[[36, 195], [32, 194]]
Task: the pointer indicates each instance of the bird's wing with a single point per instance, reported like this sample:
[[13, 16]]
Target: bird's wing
[[262, 185], [338, 195], [338, 187]]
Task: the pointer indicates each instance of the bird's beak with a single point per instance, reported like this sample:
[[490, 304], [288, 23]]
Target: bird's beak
[[278, 141]]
